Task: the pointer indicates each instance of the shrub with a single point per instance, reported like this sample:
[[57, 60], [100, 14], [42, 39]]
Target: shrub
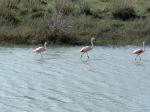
[[123, 9], [44, 2], [85, 7], [124, 13], [141, 27], [148, 9], [37, 14], [65, 7], [119, 4]]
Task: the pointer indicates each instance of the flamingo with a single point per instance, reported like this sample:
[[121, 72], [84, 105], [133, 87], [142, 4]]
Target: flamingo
[[86, 49], [40, 50], [138, 52]]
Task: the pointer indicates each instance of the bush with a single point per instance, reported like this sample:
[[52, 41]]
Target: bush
[[124, 13], [140, 27], [85, 7], [65, 7], [123, 9], [148, 9], [119, 4], [44, 2], [37, 15]]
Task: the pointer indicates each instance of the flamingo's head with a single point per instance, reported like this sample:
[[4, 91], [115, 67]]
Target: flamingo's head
[[45, 43]]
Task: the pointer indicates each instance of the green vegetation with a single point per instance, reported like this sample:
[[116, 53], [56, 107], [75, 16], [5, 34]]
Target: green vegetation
[[74, 21]]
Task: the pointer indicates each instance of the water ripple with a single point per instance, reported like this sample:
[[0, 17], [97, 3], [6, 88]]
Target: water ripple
[[110, 81]]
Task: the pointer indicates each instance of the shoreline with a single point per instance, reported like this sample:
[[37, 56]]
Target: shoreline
[[99, 42]]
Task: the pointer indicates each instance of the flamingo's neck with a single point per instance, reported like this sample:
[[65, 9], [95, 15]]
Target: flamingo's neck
[[45, 46], [143, 46], [92, 45]]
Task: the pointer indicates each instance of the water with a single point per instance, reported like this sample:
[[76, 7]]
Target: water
[[110, 81]]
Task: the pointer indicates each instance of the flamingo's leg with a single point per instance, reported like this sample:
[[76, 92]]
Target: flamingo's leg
[[139, 57], [136, 57], [87, 55], [82, 54], [41, 55]]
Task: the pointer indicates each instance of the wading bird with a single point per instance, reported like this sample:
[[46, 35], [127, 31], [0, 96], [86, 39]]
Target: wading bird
[[40, 50], [138, 52], [87, 48]]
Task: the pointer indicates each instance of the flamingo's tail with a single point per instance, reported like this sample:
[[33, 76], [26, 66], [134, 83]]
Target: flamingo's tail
[[81, 50], [131, 52]]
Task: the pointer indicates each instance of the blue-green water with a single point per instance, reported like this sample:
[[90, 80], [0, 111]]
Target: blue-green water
[[110, 81]]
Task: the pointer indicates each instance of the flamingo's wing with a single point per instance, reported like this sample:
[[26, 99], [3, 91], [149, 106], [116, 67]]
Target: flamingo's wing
[[137, 51], [37, 49], [85, 49]]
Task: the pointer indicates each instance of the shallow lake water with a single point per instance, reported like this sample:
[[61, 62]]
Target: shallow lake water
[[110, 81]]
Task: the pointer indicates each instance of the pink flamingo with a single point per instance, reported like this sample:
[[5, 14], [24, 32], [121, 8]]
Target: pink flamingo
[[87, 48], [40, 50], [138, 52]]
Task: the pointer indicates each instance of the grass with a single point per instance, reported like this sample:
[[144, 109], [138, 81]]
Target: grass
[[73, 22]]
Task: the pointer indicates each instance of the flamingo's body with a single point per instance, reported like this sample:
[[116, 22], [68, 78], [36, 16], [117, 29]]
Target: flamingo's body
[[40, 50], [87, 48], [138, 52]]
